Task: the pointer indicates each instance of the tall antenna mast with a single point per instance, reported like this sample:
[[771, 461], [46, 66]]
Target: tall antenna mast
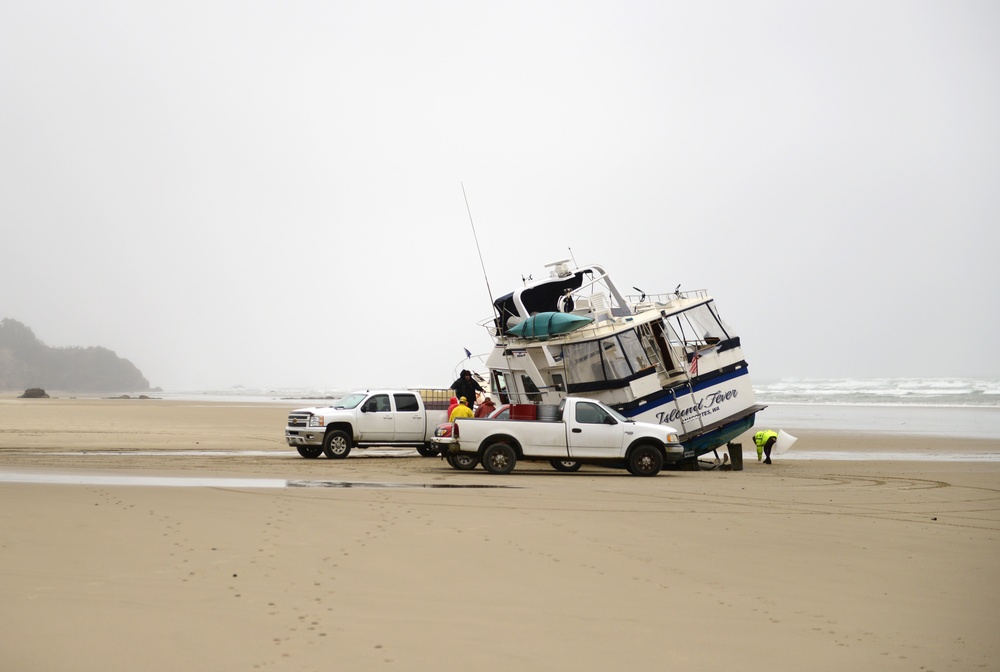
[[488, 290]]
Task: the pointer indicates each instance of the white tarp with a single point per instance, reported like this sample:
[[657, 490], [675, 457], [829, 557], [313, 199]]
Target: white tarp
[[783, 443]]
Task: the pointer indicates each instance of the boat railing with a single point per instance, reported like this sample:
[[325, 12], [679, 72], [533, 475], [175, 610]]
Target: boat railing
[[637, 303], [643, 300]]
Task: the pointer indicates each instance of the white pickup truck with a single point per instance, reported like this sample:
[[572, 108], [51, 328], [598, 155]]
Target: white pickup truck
[[370, 418], [578, 431]]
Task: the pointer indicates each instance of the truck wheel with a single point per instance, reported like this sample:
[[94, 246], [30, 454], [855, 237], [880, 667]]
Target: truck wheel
[[645, 461], [427, 450], [499, 458], [336, 445], [309, 452], [463, 461], [565, 465]]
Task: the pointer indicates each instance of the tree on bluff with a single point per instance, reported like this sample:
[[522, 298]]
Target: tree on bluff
[[27, 362]]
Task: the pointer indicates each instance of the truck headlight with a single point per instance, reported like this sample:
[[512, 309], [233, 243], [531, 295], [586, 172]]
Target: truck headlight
[[316, 421], [672, 438]]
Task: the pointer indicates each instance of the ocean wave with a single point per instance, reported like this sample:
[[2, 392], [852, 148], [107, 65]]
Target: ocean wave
[[882, 391]]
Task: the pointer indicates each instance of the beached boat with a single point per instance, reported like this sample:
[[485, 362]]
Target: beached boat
[[665, 358]]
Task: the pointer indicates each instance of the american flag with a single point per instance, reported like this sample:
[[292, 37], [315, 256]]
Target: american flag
[[693, 369]]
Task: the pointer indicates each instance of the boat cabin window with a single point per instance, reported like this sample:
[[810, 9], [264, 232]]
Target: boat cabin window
[[632, 349], [500, 385], [613, 358], [615, 364], [698, 326], [530, 389], [557, 382]]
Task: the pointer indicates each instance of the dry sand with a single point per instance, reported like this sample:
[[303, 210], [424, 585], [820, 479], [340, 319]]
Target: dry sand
[[803, 565]]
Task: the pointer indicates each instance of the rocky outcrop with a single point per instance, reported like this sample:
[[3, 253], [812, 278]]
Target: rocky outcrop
[[26, 362]]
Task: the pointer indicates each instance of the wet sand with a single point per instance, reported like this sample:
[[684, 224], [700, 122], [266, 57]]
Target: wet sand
[[804, 564]]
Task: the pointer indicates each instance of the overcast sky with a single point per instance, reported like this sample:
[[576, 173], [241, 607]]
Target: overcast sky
[[269, 194]]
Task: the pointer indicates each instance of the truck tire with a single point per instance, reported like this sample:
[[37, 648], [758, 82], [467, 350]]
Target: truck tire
[[309, 452], [499, 458], [565, 465], [645, 460], [427, 450], [463, 461], [336, 445]]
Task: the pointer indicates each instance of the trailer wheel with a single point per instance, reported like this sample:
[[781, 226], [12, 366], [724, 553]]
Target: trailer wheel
[[565, 465], [463, 461], [428, 450], [499, 458], [336, 445], [645, 460], [309, 452]]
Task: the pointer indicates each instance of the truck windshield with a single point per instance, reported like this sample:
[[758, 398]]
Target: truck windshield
[[350, 401]]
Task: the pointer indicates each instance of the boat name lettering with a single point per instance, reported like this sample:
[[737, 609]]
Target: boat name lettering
[[707, 405]]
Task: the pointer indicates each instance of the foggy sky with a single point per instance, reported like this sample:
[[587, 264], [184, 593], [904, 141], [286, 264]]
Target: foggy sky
[[269, 194]]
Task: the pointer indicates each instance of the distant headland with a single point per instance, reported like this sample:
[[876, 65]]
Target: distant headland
[[26, 362]]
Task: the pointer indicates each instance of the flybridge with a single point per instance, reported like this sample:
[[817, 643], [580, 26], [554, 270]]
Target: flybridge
[[581, 285], [656, 357]]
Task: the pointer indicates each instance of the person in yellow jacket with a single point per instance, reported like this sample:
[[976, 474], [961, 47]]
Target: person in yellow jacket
[[461, 411], [765, 441]]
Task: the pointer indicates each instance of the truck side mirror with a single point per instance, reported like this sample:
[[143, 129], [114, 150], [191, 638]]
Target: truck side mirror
[[608, 420]]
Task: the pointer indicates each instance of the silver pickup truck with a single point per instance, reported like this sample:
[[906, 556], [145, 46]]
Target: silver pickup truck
[[369, 418], [578, 431]]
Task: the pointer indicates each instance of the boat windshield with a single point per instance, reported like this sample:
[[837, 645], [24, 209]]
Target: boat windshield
[[697, 326], [350, 401]]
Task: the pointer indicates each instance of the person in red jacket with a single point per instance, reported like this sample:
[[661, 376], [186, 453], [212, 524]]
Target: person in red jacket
[[485, 407]]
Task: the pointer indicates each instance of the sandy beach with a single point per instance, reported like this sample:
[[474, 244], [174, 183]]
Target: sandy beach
[[391, 561]]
